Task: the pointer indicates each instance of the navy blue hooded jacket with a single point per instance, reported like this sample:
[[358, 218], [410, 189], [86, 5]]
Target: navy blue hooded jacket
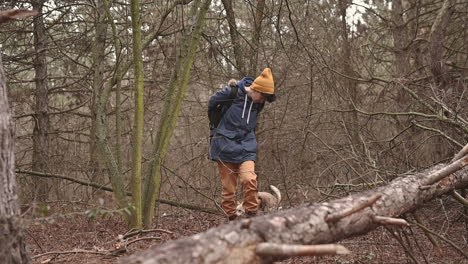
[[234, 140]]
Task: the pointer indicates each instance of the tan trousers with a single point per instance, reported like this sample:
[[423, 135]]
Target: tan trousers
[[229, 173]]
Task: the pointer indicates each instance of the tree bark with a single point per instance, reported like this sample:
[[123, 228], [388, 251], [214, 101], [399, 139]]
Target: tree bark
[[436, 41], [311, 224], [99, 50], [350, 91], [400, 40], [112, 160], [234, 33], [40, 159], [259, 15], [12, 245], [137, 149]]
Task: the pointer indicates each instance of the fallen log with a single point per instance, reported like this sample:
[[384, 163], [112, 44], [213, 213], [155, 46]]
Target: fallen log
[[312, 224]]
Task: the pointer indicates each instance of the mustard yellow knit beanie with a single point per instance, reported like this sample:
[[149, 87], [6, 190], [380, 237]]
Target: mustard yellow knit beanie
[[264, 83]]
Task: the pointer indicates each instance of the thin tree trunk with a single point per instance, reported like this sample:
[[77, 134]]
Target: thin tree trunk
[[139, 116], [350, 91], [105, 150], [400, 39], [310, 224], [259, 14], [99, 50], [106, 153], [40, 157], [234, 33], [436, 41], [118, 74], [175, 96]]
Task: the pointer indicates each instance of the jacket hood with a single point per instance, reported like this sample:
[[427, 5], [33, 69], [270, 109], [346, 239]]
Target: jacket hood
[[246, 81]]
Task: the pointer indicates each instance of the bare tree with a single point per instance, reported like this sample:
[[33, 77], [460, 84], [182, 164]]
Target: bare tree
[[235, 37], [137, 149], [41, 115], [99, 49]]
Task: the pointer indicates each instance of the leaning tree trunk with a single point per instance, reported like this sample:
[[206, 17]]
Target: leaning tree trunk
[[12, 245], [311, 224]]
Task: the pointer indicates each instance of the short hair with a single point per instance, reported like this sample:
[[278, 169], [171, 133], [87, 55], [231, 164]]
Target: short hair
[[269, 97]]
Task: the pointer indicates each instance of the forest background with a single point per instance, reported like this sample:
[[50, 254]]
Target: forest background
[[367, 91]]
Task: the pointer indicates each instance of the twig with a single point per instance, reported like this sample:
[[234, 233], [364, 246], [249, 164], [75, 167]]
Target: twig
[[444, 239], [433, 241], [397, 238], [13, 14], [104, 188], [57, 176], [383, 220], [142, 238], [137, 232], [72, 252], [283, 250], [460, 154], [446, 171], [336, 152], [349, 211], [459, 198], [421, 250], [439, 132]]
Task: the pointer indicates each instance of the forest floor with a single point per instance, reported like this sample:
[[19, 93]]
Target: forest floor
[[68, 237]]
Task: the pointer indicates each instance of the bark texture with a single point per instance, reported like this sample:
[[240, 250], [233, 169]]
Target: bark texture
[[99, 53], [236, 243], [40, 159], [137, 144], [12, 246], [235, 36], [436, 40]]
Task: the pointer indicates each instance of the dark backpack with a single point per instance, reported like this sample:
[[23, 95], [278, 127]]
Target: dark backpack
[[216, 113]]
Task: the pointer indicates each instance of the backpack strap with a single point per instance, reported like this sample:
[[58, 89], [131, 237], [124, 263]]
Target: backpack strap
[[233, 93]]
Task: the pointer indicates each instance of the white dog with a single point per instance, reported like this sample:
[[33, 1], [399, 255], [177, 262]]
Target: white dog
[[268, 202]]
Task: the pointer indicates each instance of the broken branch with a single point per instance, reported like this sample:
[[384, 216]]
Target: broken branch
[[12, 14], [460, 198], [446, 171], [332, 218], [284, 250], [460, 154], [383, 220]]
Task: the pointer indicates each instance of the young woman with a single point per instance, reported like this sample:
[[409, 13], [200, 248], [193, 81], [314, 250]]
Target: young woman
[[234, 145]]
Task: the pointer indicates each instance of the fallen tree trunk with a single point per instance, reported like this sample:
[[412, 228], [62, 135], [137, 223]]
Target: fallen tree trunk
[[311, 224]]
